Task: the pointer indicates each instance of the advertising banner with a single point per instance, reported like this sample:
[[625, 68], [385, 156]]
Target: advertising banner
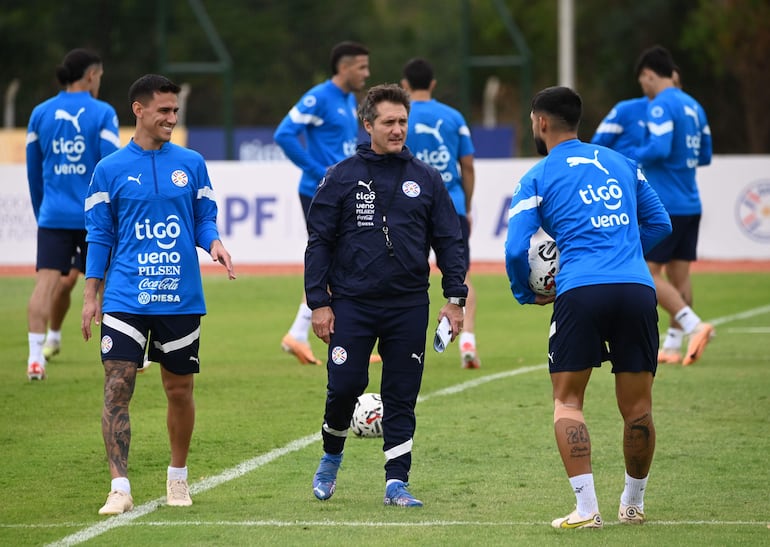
[[260, 217]]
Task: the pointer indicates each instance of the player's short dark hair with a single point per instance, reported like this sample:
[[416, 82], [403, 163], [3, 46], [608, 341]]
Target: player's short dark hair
[[144, 88], [75, 64], [561, 103], [391, 93], [419, 73], [658, 59], [345, 49]]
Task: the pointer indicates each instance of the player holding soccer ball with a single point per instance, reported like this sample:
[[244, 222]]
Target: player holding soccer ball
[[598, 207]]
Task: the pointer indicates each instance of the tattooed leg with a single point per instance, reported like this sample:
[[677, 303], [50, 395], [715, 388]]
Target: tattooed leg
[[119, 383], [634, 395], [639, 445]]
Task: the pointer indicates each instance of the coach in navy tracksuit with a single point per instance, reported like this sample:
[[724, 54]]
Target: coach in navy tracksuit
[[371, 225]]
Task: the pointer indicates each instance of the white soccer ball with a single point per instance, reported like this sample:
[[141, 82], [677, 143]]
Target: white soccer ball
[[367, 416], [543, 267]]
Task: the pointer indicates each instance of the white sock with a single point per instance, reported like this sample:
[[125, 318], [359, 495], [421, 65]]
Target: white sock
[[633, 493], [53, 336], [301, 326], [122, 484], [583, 486], [688, 319], [35, 348], [674, 338], [467, 337], [177, 473]]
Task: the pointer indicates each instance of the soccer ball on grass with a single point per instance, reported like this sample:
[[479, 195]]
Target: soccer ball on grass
[[367, 416], [543, 267]]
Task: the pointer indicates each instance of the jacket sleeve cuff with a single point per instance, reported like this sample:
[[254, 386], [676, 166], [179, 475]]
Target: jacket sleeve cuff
[[96, 260]]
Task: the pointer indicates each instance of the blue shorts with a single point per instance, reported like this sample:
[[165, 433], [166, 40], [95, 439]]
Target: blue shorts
[[56, 249], [681, 244], [174, 340], [595, 323], [465, 228]]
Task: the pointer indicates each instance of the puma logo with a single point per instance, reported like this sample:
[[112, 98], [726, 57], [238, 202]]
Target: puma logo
[[418, 357], [689, 111], [421, 128], [367, 185], [136, 179], [579, 160], [64, 115], [193, 358]]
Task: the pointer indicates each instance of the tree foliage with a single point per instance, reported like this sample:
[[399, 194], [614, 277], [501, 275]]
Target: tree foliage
[[279, 48], [733, 38]]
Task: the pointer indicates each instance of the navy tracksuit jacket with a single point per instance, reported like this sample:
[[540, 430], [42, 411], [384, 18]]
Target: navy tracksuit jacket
[[372, 223]]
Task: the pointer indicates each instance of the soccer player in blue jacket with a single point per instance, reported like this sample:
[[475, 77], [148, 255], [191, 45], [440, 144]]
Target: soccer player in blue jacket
[[439, 136], [149, 206], [678, 141], [66, 136], [624, 127], [325, 119], [372, 224], [598, 207]]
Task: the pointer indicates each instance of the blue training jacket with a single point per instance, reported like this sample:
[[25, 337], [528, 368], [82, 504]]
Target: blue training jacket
[[66, 136], [146, 212], [325, 118], [678, 140], [439, 136], [624, 127], [598, 207], [347, 252]]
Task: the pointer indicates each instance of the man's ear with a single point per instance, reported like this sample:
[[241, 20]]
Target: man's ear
[[136, 108]]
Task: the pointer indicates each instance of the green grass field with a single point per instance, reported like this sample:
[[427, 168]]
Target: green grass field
[[485, 461]]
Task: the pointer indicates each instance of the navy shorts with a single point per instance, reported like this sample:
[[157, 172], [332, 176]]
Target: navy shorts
[[465, 228], [681, 244], [305, 201], [615, 322], [56, 249], [173, 340]]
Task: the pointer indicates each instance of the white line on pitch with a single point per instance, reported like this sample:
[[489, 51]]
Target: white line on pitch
[[749, 330], [371, 524]]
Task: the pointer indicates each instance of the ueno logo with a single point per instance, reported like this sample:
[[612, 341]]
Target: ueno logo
[[159, 230]]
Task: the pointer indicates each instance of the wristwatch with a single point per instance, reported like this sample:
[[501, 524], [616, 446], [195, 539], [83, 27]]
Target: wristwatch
[[457, 301]]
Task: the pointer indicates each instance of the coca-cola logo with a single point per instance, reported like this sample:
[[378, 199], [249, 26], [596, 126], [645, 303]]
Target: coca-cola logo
[[165, 284]]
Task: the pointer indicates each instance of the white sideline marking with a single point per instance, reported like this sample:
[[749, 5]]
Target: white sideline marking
[[254, 463], [749, 330], [373, 524], [742, 315]]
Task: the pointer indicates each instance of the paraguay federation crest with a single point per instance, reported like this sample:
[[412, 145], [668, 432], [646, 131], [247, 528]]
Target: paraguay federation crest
[[410, 188], [179, 178], [752, 210], [339, 355], [106, 344]]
